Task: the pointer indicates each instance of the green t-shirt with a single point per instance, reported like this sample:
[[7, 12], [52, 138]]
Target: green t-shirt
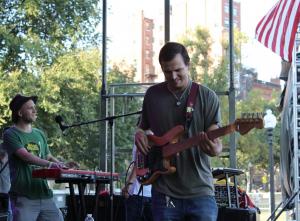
[[193, 175], [22, 183]]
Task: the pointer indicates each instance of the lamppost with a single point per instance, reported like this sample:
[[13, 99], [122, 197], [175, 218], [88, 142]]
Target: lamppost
[[269, 124]]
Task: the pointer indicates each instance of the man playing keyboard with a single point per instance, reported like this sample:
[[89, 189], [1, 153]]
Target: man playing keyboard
[[31, 198]]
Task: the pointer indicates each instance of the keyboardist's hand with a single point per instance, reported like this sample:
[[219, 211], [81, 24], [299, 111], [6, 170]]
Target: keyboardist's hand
[[53, 165], [72, 165]]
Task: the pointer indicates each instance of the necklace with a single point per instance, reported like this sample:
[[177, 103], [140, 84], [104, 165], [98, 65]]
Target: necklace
[[178, 99]]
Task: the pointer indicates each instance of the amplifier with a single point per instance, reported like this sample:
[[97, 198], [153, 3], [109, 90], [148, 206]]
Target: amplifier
[[222, 196], [236, 214], [226, 191]]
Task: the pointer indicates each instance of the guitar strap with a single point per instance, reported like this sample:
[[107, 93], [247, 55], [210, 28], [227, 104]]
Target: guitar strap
[[190, 104]]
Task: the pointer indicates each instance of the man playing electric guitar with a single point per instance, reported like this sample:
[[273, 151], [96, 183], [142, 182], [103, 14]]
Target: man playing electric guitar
[[187, 194]]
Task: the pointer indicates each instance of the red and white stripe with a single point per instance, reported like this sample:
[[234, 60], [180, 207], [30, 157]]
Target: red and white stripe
[[277, 29]]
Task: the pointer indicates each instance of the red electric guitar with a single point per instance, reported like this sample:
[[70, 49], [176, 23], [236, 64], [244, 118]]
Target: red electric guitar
[[157, 161]]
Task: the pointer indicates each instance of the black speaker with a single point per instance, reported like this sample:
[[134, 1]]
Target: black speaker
[[236, 214], [103, 208]]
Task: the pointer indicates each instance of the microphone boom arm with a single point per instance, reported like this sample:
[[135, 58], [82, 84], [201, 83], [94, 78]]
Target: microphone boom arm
[[109, 119]]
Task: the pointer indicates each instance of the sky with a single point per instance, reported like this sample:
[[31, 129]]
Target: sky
[[254, 54]]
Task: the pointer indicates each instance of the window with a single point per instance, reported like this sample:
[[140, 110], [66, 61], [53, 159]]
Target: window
[[226, 9], [226, 22], [148, 54], [235, 12]]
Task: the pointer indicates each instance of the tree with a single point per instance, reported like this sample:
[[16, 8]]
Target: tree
[[70, 88], [202, 69], [239, 38], [10, 84], [34, 33], [198, 44], [253, 146], [124, 127], [219, 80]]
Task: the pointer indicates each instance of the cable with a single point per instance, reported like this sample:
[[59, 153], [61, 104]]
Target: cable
[[129, 166]]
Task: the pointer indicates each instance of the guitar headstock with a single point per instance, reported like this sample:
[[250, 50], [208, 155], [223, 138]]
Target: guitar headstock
[[248, 122]]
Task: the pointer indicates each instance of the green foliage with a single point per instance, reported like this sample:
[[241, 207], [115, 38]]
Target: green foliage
[[35, 33], [11, 84], [121, 74], [45, 49], [198, 44], [239, 38], [219, 80], [253, 147], [71, 88], [39, 55]]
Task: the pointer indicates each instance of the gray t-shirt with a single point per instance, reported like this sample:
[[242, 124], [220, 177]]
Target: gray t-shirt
[[193, 175]]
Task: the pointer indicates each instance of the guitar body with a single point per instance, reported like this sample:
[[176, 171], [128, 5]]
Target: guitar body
[[154, 166], [157, 161], [149, 167]]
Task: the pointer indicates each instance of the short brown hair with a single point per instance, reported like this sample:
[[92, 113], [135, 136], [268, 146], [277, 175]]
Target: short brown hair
[[170, 50]]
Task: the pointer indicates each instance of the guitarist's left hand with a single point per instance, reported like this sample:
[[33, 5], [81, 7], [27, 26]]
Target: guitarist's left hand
[[141, 141], [210, 147]]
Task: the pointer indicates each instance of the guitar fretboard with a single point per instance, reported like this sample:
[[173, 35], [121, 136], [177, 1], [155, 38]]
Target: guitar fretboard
[[213, 134], [172, 149]]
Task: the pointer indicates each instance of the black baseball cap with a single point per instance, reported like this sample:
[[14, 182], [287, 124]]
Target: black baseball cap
[[18, 101]]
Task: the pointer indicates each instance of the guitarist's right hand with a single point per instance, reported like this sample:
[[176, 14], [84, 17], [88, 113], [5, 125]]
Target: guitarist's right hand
[[141, 141]]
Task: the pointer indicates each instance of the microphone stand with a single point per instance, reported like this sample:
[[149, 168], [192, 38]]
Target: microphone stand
[[110, 120]]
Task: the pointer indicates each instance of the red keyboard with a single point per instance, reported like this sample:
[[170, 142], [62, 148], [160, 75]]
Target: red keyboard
[[71, 174]]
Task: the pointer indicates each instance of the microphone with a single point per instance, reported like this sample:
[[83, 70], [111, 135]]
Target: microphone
[[59, 120]]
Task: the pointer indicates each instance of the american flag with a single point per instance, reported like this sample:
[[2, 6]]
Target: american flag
[[277, 29]]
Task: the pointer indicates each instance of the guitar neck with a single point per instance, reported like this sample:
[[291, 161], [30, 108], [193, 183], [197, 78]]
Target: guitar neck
[[172, 149], [213, 134]]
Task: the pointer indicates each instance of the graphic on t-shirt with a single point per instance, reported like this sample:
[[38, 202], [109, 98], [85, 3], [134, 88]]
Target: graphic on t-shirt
[[33, 148]]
